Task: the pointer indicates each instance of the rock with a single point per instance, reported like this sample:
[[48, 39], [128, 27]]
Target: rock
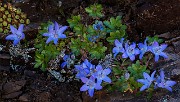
[[4, 68], [24, 98], [159, 16], [4, 59], [12, 95], [176, 46], [11, 87], [44, 97]]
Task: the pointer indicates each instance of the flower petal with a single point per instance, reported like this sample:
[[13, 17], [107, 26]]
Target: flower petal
[[117, 43], [62, 36], [146, 76], [11, 37], [84, 88], [107, 79], [144, 87], [56, 26], [162, 75], [13, 29], [62, 29], [163, 46], [46, 34], [142, 81], [84, 79], [156, 58], [169, 88], [16, 41], [98, 87], [21, 28], [107, 71], [132, 57], [99, 68], [124, 55], [91, 92], [170, 83], [63, 64], [55, 41], [164, 55], [48, 40]]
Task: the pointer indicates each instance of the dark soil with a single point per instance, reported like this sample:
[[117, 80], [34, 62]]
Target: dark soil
[[143, 17]]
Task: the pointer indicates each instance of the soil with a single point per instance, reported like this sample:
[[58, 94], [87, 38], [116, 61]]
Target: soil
[[143, 17]]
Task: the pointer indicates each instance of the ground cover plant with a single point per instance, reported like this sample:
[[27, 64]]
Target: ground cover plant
[[98, 54]]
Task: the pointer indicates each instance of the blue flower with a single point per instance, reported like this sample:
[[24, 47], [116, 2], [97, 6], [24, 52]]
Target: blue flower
[[101, 74], [85, 69], [90, 85], [65, 58], [161, 82], [146, 81], [55, 32], [157, 50], [93, 38], [130, 51], [143, 48], [98, 25], [119, 47], [16, 35]]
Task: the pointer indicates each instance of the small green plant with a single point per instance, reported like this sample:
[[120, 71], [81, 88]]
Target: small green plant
[[95, 10], [116, 29], [44, 53]]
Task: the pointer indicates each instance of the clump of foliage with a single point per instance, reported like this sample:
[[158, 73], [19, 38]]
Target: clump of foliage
[[95, 10], [11, 16]]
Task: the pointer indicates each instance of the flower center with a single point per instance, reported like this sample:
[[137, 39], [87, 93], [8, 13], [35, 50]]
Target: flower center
[[91, 84], [157, 50]]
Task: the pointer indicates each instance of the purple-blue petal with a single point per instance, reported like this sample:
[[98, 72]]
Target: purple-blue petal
[[107, 79], [99, 68], [163, 46], [143, 87], [132, 57], [170, 83], [21, 28], [91, 92], [11, 37], [124, 55], [106, 71], [62, 36], [84, 79], [63, 64], [163, 54], [84, 88], [62, 29], [13, 29], [16, 41], [48, 40], [98, 87], [156, 58]]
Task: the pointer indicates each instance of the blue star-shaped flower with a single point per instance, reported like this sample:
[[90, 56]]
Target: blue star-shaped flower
[[158, 50], [55, 32], [66, 58], [101, 74], [119, 47], [130, 51], [98, 25], [16, 35], [143, 48], [85, 69], [90, 85], [146, 81], [161, 82]]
